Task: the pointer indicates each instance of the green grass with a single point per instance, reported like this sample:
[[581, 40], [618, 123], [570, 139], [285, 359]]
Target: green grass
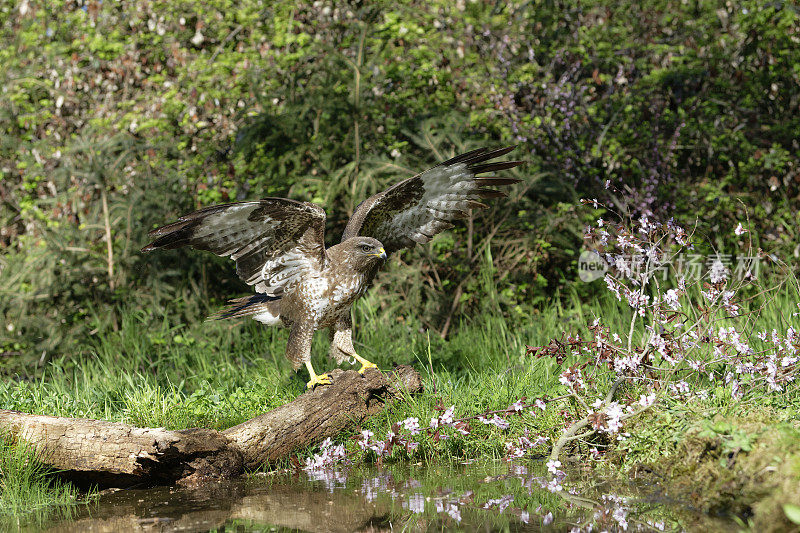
[[217, 374], [28, 494]]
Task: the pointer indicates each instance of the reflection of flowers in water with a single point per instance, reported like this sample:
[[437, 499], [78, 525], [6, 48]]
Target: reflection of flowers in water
[[371, 487], [619, 512], [412, 484], [415, 503], [450, 507], [609, 513], [499, 504], [612, 515], [518, 470], [331, 477]]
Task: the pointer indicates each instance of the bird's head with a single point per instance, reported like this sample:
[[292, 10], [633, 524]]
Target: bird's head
[[365, 253]]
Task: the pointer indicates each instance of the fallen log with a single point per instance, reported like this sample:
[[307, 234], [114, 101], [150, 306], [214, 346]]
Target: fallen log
[[321, 413], [112, 454]]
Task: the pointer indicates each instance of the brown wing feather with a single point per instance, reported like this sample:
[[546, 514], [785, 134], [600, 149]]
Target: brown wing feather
[[272, 240], [415, 210]]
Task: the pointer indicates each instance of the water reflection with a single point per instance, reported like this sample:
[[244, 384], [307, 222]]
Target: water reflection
[[485, 497]]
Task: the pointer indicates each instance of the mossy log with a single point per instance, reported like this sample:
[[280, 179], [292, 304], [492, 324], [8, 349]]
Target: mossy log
[[112, 454]]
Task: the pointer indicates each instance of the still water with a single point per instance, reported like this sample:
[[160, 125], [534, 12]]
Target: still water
[[495, 496]]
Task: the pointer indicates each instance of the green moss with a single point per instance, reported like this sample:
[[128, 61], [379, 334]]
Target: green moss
[[723, 460]]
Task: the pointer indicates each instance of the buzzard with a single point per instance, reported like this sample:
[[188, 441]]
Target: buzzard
[[279, 248]]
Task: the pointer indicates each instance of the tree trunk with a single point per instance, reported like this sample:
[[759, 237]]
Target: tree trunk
[[115, 454]]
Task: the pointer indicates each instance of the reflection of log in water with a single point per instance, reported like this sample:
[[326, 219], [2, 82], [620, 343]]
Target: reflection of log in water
[[115, 454], [312, 511], [215, 504]]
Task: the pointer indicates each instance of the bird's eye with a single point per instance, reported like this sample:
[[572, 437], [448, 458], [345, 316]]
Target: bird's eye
[[365, 247]]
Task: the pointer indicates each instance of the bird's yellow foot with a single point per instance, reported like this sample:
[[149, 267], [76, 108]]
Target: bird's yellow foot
[[322, 379], [364, 364]]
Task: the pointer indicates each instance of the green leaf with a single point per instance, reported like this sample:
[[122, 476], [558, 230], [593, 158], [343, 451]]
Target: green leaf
[[792, 512]]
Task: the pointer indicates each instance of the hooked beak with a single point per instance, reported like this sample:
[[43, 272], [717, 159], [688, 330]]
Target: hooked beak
[[381, 254]]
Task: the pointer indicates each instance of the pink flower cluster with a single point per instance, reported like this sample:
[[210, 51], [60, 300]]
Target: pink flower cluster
[[684, 335], [683, 339], [441, 427], [330, 455]]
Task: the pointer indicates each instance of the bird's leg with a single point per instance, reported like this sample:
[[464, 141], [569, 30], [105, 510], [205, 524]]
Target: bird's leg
[[298, 350], [364, 363], [342, 344], [323, 379]]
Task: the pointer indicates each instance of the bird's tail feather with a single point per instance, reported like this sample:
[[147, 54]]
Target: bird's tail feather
[[249, 305]]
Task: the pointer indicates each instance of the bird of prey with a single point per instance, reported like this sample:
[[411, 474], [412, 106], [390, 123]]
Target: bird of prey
[[279, 248]]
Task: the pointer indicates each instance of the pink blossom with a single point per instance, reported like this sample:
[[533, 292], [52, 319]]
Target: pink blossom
[[516, 407], [671, 299], [553, 485], [637, 300], [447, 416], [513, 451], [614, 413], [718, 272], [412, 425], [646, 400], [613, 286], [494, 421]]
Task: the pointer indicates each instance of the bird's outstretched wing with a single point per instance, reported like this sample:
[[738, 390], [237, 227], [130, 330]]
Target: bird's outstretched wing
[[274, 241], [415, 210]]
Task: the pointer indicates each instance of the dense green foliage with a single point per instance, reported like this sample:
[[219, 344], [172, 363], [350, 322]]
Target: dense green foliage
[[117, 117]]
